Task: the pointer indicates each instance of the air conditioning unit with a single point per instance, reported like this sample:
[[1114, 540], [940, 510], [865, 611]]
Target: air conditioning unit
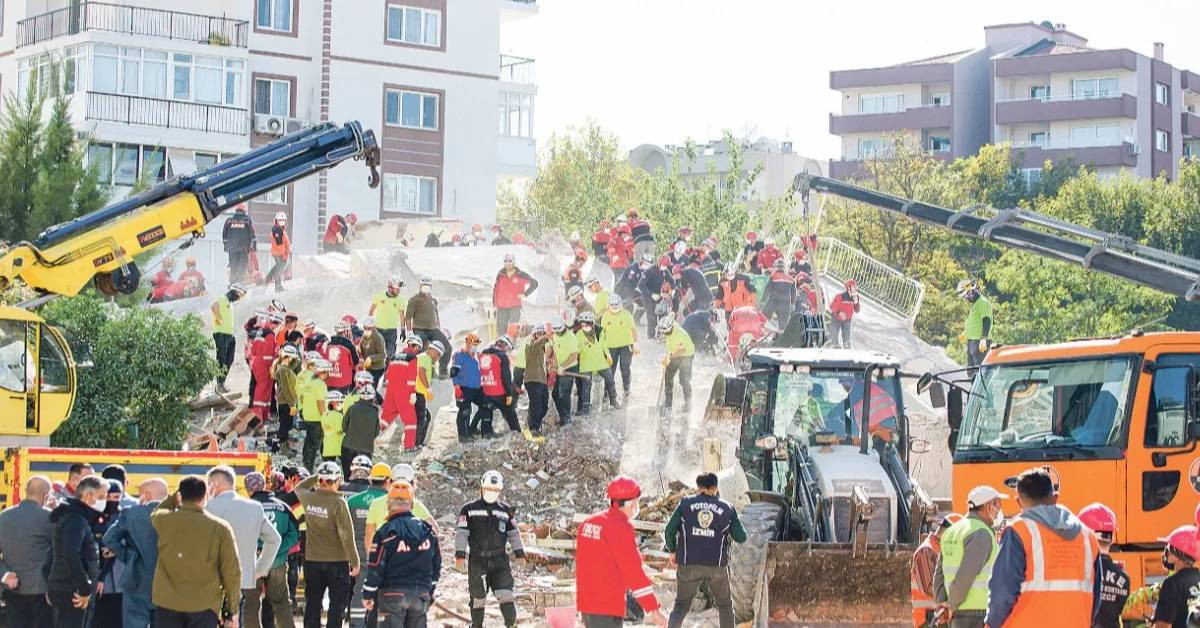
[[277, 125]]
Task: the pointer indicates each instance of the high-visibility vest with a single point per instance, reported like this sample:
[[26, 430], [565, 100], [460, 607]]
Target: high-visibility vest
[[923, 602], [952, 554], [1059, 576], [883, 408]]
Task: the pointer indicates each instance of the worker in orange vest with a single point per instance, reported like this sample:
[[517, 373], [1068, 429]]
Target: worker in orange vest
[[1047, 572], [924, 562]]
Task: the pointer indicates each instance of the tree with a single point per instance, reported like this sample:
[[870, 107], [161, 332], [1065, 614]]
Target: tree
[[135, 393]]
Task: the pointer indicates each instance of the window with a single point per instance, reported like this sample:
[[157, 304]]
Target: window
[[274, 15], [1032, 176], [1094, 88], [1039, 138], [409, 194], [16, 365], [154, 163], [278, 196], [1039, 92], [154, 74], [411, 109], [100, 158], [409, 25], [209, 85], [272, 97], [1162, 140], [871, 148], [1101, 135], [1166, 421], [516, 114], [123, 164], [235, 74], [41, 70], [1162, 94], [157, 74], [939, 144], [940, 99], [880, 103], [206, 160]]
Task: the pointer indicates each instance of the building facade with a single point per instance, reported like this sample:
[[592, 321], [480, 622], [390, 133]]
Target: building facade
[[1039, 87], [163, 87]]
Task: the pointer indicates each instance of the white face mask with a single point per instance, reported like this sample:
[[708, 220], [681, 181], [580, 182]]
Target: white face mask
[[99, 505], [491, 497], [426, 289], [637, 510], [999, 521]]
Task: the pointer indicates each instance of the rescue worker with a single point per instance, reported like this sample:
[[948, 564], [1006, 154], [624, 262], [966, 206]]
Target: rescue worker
[[1065, 591], [425, 363], [330, 556], [779, 297], [578, 302], [513, 286], [573, 277], [163, 277], [223, 338], [629, 284], [336, 234], [654, 279], [377, 512], [566, 366], [734, 290], [262, 357], [331, 426], [700, 327], [968, 550], [404, 567], [841, 312], [388, 308], [619, 336], [359, 505], [643, 234], [498, 237], [1114, 582], [800, 263], [697, 536], [619, 250], [468, 390], [750, 252], [343, 355], [373, 347], [281, 250], [692, 278], [485, 527], [274, 585], [594, 360], [1178, 592], [977, 329], [608, 563], [360, 427], [599, 294], [287, 399], [534, 379], [924, 564], [312, 408], [769, 254], [600, 240], [400, 399], [495, 377], [424, 320], [238, 238], [678, 362], [194, 276]]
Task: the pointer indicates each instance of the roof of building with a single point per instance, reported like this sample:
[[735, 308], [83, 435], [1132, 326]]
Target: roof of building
[[1050, 47], [948, 57]]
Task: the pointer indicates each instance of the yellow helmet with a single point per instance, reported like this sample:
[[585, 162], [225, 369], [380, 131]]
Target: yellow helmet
[[380, 471]]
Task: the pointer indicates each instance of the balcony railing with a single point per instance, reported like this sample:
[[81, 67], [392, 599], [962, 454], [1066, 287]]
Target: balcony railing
[[115, 18], [170, 114], [516, 69]]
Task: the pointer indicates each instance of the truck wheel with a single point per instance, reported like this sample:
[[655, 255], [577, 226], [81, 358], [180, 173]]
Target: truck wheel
[[762, 521]]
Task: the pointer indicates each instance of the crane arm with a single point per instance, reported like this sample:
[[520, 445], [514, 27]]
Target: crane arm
[[101, 245], [1116, 255]]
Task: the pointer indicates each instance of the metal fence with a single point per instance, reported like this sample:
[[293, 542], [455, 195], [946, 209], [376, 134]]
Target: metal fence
[[879, 283], [100, 16], [167, 113], [516, 69]]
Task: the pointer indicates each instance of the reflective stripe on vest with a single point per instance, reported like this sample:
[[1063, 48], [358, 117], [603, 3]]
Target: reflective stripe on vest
[[1037, 554], [882, 407], [953, 540]]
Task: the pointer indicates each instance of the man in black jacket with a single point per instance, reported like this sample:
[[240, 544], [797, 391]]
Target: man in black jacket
[[404, 565], [74, 557], [651, 288], [238, 237]]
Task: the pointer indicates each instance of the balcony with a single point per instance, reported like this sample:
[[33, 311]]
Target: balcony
[[924, 117], [1191, 124], [854, 167], [171, 114], [517, 9], [1069, 108], [1070, 62], [115, 18], [1033, 155], [892, 75], [517, 70]]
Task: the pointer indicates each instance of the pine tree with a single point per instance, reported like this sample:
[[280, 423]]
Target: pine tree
[[58, 166], [20, 135]]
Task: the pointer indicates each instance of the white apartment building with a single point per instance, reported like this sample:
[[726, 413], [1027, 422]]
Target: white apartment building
[[168, 86]]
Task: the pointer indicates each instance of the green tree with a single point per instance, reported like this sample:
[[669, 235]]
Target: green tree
[[134, 395], [20, 136]]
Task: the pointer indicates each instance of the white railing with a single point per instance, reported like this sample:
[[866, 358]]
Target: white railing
[[1067, 98], [900, 110], [878, 283], [1059, 145]]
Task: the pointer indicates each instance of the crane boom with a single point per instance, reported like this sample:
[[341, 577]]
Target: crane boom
[[101, 245], [1116, 255]]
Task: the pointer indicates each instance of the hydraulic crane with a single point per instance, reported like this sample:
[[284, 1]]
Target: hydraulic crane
[[37, 369]]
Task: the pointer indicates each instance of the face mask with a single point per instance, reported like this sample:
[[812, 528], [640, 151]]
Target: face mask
[[587, 328], [1166, 562], [998, 522], [491, 497], [99, 506], [426, 290]]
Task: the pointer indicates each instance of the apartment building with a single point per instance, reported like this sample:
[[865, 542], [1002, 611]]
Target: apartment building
[[778, 161], [1039, 87], [163, 87]]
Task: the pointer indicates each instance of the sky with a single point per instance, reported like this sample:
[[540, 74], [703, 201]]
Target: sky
[[661, 71]]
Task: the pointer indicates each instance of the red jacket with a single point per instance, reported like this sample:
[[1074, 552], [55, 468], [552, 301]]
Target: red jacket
[[843, 307], [336, 231], [607, 564], [767, 257], [162, 279], [508, 289], [342, 374], [401, 383], [618, 254]]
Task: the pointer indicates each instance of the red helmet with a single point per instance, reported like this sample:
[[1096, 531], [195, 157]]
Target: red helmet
[[664, 262], [850, 283], [685, 232], [1099, 518], [624, 488], [605, 224], [752, 235], [800, 255], [352, 218], [349, 319], [519, 238], [1182, 539]]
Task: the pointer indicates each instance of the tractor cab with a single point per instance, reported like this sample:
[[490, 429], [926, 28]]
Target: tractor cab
[[37, 377]]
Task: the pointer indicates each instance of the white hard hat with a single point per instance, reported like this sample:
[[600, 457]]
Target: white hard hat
[[289, 351], [367, 393], [334, 396], [329, 470], [981, 495], [493, 480], [368, 322], [363, 377], [361, 461], [403, 471], [280, 217], [437, 345], [426, 280], [575, 291], [614, 300], [323, 365], [509, 257]]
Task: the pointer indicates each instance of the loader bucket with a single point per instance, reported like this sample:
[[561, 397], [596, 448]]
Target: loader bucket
[[827, 585]]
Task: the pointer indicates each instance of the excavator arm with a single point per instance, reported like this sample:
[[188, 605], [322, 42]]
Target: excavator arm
[[100, 246], [1116, 255]]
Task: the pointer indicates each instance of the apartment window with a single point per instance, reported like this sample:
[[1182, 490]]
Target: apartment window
[[413, 110], [880, 103], [939, 144], [278, 196], [1162, 94], [411, 25], [100, 158], [1039, 92], [1191, 149], [1162, 140], [1032, 176], [409, 194], [124, 164], [41, 69], [1094, 88], [870, 148], [157, 74], [274, 15], [272, 97], [516, 114], [1099, 135], [940, 99], [1039, 138], [206, 160]]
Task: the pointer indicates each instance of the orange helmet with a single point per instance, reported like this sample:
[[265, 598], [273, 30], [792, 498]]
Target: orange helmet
[[472, 339], [191, 262]]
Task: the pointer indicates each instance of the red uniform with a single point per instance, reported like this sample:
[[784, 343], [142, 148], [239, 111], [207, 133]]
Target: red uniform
[[342, 374], [401, 386], [262, 356], [843, 307], [509, 288], [491, 376], [808, 293], [767, 257], [192, 273], [162, 279], [618, 253], [745, 320], [607, 564]]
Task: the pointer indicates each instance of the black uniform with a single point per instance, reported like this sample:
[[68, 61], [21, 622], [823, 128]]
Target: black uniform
[[651, 286], [403, 569], [238, 238], [779, 298], [699, 533], [627, 287], [1114, 590], [750, 255], [694, 281], [483, 532]]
